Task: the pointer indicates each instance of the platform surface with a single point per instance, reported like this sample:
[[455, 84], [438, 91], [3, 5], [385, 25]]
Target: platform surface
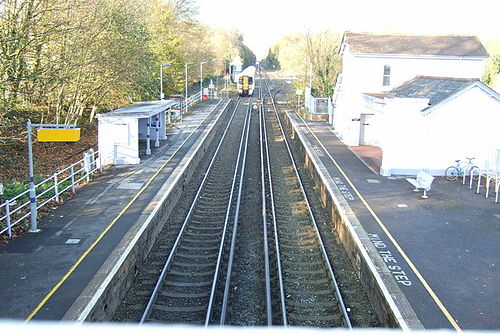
[[48, 270], [443, 249]]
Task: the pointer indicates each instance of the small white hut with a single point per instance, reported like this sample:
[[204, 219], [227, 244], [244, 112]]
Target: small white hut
[[120, 130]]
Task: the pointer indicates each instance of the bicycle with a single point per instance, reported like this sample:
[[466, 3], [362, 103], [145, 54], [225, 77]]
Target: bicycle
[[453, 172]]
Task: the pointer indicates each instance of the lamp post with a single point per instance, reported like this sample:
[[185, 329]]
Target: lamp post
[[161, 80], [201, 79], [186, 86]]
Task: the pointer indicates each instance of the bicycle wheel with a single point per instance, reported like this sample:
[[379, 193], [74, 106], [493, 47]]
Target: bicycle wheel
[[475, 172], [451, 173]]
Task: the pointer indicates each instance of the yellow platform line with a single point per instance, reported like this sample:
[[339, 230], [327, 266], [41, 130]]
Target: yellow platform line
[[99, 238], [393, 240]]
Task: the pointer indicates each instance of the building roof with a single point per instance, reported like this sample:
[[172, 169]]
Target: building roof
[[440, 45], [140, 109], [436, 89]]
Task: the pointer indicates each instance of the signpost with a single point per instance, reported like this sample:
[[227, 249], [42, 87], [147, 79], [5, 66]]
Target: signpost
[[298, 92], [46, 133]]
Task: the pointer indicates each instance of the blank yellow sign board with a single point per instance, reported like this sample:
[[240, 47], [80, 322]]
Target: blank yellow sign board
[[72, 134]]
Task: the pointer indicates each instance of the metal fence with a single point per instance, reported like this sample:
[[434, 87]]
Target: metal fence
[[17, 209], [191, 101], [318, 105]]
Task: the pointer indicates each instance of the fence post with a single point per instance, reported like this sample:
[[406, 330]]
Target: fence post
[[471, 180], [73, 178], [488, 180], [86, 165], [92, 159], [497, 187], [56, 188], [100, 162], [7, 214]]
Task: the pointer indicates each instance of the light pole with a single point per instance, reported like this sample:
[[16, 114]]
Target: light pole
[[161, 80], [186, 87], [201, 79]]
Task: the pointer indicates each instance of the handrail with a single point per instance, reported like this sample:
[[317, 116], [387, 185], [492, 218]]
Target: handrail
[[48, 190]]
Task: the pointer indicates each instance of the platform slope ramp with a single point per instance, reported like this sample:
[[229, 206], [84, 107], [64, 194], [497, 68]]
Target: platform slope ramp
[[101, 297], [386, 297]]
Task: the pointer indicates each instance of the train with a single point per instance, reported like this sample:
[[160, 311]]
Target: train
[[246, 81]]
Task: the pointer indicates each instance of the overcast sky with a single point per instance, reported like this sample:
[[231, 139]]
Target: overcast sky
[[262, 22]]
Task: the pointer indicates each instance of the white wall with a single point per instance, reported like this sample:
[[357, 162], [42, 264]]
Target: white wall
[[123, 133], [363, 74], [466, 126], [472, 123]]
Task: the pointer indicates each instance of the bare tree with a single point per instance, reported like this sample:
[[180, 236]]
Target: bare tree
[[322, 52]]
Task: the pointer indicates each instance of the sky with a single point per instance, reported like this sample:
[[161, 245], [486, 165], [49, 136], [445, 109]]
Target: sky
[[263, 22]]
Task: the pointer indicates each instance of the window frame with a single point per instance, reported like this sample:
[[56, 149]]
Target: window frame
[[386, 78]]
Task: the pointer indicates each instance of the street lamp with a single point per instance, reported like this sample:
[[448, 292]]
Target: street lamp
[[161, 80], [201, 79], [186, 86]]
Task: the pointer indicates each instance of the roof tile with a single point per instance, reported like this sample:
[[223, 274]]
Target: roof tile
[[438, 45]]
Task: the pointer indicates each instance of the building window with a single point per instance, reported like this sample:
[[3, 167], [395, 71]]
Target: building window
[[387, 76]]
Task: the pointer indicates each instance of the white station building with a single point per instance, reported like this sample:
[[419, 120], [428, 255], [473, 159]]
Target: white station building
[[120, 130]]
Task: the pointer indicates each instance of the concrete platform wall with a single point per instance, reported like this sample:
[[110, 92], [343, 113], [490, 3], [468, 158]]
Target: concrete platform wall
[[102, 296], [392, 307]]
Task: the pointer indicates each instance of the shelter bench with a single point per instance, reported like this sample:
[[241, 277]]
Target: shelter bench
[[423, 181]]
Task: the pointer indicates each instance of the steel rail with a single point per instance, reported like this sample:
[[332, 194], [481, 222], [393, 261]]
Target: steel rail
[[235, 222], [311, 215], [226, 223], [156, 289], [269, 309], [274, 219]]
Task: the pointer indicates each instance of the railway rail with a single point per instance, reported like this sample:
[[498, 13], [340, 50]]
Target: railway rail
[[247, 250]]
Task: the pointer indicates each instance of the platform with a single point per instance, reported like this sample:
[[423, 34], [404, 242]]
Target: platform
[[43, 274], [441, 251]]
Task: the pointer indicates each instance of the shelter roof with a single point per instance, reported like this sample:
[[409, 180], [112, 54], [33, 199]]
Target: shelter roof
[[140, 109], [437, 45]]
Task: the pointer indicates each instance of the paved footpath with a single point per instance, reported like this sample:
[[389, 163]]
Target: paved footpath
[[34, 264], [443, 251]]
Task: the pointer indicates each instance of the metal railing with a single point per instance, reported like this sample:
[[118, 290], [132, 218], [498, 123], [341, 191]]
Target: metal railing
[[17, 209], [191, 101]]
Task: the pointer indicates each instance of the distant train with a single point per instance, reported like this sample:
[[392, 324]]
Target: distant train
[[246, 81]]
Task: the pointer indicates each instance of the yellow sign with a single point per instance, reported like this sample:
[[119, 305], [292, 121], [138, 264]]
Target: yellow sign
[[72, 134]]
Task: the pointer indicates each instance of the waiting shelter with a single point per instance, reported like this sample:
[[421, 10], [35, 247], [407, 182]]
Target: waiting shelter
[[120, 130]]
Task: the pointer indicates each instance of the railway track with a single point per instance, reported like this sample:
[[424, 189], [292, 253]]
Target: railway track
[[308, 291], [242, 248], [185, 289]]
